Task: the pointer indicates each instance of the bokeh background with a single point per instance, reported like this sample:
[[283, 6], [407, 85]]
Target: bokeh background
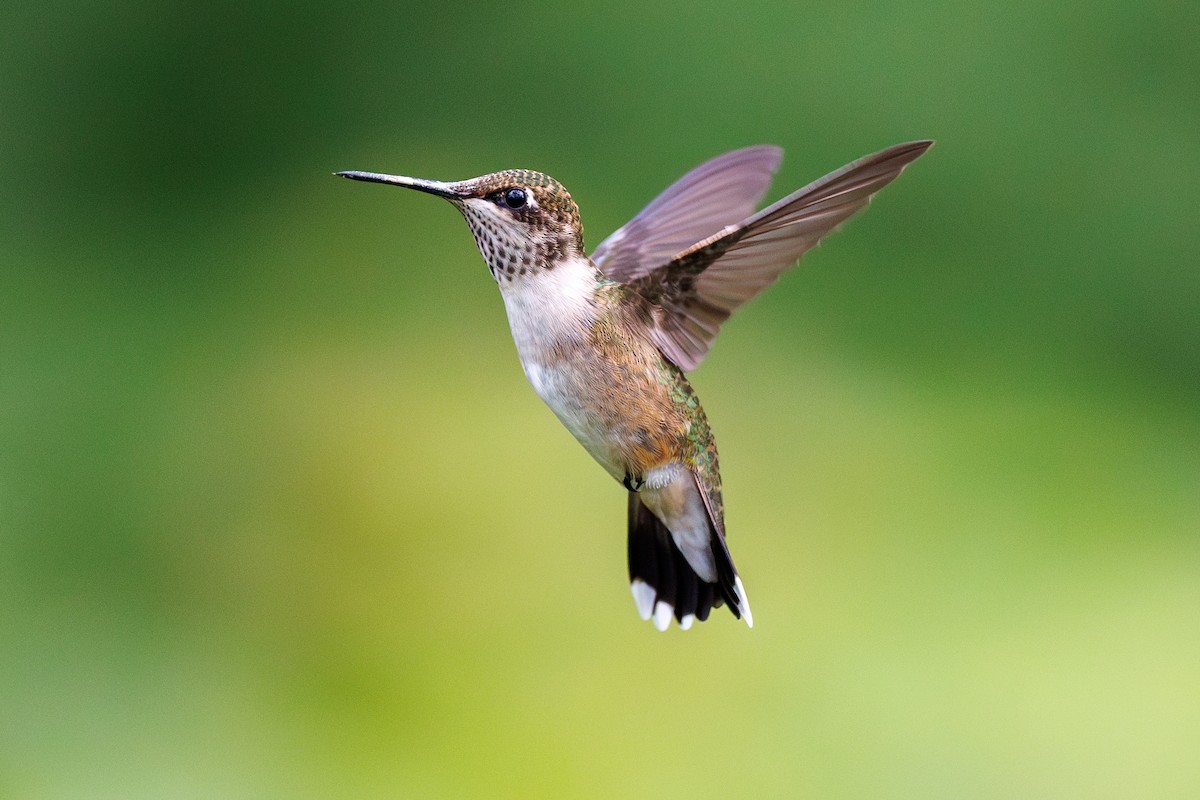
[[280, 518]]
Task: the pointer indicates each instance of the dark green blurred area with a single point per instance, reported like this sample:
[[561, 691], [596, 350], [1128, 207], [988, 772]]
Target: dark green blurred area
[[279, 516]]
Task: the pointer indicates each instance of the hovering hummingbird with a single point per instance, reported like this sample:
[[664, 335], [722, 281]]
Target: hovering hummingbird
[[606, 339]]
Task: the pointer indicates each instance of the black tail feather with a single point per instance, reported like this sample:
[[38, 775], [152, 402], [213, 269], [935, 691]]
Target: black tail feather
[[725, 575], [704, 601]]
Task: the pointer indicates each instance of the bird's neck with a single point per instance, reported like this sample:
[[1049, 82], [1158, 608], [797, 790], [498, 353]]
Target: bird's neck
[[550, 310]]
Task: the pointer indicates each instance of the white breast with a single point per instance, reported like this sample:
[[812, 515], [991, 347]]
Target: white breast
[[550, 308], [550, 314]]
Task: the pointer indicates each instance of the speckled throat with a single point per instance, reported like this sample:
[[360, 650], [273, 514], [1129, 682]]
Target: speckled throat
[[512, 253]]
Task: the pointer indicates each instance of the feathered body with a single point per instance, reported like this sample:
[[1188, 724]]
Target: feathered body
[[581, 340], [630, 407], [605, 340]]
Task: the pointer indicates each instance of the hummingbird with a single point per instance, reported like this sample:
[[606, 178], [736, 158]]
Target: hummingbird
[[606, 339]]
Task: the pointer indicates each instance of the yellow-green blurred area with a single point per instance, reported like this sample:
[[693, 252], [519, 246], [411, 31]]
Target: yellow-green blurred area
[[280, 517]]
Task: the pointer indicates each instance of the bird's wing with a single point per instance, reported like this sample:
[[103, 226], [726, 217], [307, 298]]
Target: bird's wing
[[719, 192], [695, 291]]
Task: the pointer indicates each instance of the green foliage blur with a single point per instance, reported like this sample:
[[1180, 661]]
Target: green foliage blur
[[280, 518]]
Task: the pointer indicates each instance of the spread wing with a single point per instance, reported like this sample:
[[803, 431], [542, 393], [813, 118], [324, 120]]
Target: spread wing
[[719, 192], [693, 293]]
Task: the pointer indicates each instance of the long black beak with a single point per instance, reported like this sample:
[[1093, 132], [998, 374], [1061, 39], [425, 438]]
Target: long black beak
[[447, 190]]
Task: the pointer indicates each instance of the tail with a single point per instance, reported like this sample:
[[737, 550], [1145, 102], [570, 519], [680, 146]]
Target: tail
[[664, 584]]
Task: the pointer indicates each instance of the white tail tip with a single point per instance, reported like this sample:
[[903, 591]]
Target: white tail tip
[[643, 596], [662, 615]]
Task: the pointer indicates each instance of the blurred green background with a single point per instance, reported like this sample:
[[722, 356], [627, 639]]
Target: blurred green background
[[280, 518]]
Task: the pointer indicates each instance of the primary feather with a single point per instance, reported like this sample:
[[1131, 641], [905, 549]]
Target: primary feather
[[720, 192], [695, 290]]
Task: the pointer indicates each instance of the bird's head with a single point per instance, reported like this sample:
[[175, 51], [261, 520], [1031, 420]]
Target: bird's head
[[523, 221]]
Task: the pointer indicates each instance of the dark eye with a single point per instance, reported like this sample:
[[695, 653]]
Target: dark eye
[[514, 198]]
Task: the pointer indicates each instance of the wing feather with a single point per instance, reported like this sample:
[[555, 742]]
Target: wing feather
[[720, 192], [696, 290]]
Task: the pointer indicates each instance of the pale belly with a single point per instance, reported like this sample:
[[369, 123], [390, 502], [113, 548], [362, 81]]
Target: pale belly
[[580, 362], [561, 389]]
